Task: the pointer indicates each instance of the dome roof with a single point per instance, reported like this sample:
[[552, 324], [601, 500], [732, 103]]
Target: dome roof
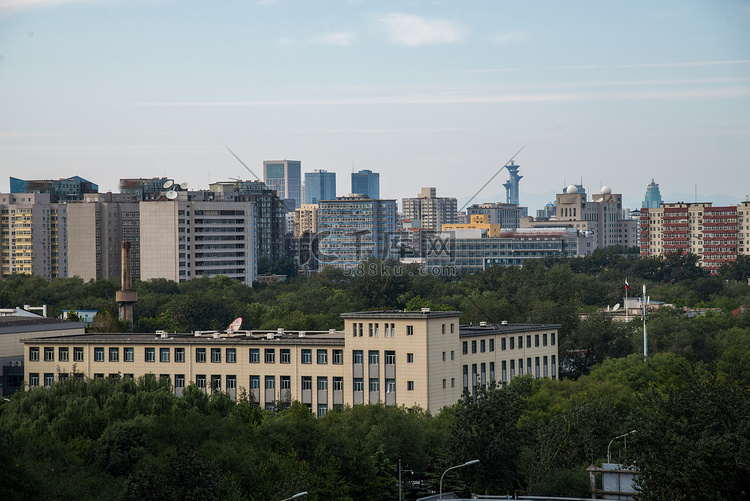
[[571, 189], [606, 190]]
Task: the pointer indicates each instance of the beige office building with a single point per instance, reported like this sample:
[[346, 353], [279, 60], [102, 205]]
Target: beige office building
[[306, 220], [411, 358], [33, 235], [431, 210]]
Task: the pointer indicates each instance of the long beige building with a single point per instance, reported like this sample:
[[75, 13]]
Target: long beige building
[[410, 358]]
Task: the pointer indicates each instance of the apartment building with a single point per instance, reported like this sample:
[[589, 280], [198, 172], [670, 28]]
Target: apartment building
[[183, 239], [715, 234], [59, 190], [33, 234], [305, 220], [406, 358], [431, 210]]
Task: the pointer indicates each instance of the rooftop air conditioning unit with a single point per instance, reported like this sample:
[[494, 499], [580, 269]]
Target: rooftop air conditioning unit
[[425, 310], [301, 334], [269, 335], [482, 324], [504, 322]]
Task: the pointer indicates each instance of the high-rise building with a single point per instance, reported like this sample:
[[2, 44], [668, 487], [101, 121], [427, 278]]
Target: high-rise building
[[270, 213], [97, 226], [59, 190], [284, 176], [367, 183], [715, 234], [183, 239], [653, 196], [602, 216], [511, 185], [431, 210], [146, 189], [319, 185], [33, 234], [306, 220], [354, 228]]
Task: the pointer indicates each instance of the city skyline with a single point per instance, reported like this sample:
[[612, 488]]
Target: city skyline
[[425, 93]]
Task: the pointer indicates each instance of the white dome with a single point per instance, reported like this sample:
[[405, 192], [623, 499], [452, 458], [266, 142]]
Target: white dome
[[571, 189], [606, 190]]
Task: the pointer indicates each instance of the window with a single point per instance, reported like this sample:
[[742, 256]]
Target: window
[[409, 358], [150, 354], [34, 354], [200, 381], [453, 382], [377, 330], [128, 354], [98, 354], [285, 356], [322, 356], [163, 354], [451, 328], [357, 357], [338, 384], [393, 330], [443, 356], [536, 340], [361, 330], [77, 354], [215, 382], [544, 339], [306, 382], [322, 383], [482, 346], [49, 378], [270, 382], [306, 356], [390, 358], [492, 344], [359, 384], [338, 357], [443, 383], [231, 355], [200, 355], [354, 329], [49, 354], [285, 383], [179, 380], [374, 384], [114, 354], [63, 354], [512, 342], [254, 382], [554, 366], [409, 330], [552, 339], [465, 346], [474, 346], [270, 355], [528, 341], [370, 329], [502, 344], [215, 355], [452, 353], [390, 386], [410, 385], [374, 357], [520, 342], [322, 410], [254, 355], [536, 367], [442, 329], [179, 354]]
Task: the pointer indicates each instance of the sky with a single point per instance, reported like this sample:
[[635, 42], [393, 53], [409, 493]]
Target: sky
[[427, 93]]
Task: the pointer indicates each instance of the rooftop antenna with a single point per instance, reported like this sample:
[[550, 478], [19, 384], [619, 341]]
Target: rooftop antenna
[[240, 160], [493, 177]]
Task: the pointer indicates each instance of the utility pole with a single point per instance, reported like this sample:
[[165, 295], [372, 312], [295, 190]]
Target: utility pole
[[644, 314]]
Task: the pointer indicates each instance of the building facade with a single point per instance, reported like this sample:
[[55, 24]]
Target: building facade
[[354, 228], [183, 239], [319, 185], [508, 216], [146, 189], [653, 196], [367, 183], [59, 190], [97, 226], [33, 235], [285, 177], [410, 358], [717, 235], [431, 210]]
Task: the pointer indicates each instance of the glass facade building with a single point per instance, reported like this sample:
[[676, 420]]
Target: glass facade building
[[319, 185], [367, 183]]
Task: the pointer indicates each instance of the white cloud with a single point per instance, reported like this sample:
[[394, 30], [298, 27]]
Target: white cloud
[[341, 38], [415, 31]]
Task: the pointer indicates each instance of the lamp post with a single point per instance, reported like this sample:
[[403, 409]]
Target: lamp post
[[473, 461], [298, 495], [621, 436]]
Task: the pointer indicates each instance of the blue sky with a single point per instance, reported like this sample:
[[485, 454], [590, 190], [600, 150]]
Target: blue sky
[[428, 93]]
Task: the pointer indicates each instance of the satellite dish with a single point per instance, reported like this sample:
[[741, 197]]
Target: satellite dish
[[616, 307], [168, 184], [171, 195], [184, 186], [235, 325]]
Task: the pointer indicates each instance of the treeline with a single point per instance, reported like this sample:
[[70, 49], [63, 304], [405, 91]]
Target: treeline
[[134, 440]]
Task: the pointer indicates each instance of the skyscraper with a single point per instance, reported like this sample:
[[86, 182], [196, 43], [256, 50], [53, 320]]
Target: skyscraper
[[367, 183], [653, 196], [285, 177], [431, 210], [319, 185]]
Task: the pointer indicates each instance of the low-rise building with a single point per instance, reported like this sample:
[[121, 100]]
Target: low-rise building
[[407, 358]]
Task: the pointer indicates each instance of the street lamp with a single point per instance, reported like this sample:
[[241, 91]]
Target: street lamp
[[467, 463], [298, 495], [621, 436]]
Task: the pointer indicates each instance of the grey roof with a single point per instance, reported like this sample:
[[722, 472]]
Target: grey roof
[[13, 324], [483, 330], [401, 314]]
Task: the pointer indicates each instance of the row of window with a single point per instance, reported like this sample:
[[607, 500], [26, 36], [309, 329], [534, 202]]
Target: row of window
[[510, 344], [373, 357], [389, 330], [548, 368]]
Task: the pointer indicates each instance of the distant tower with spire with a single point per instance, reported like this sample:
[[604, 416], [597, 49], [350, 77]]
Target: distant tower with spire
[[653, 196], [511, 185]]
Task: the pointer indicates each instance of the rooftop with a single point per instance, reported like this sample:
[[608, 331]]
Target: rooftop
[[424, 313], [502, 328], [14, 323]]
